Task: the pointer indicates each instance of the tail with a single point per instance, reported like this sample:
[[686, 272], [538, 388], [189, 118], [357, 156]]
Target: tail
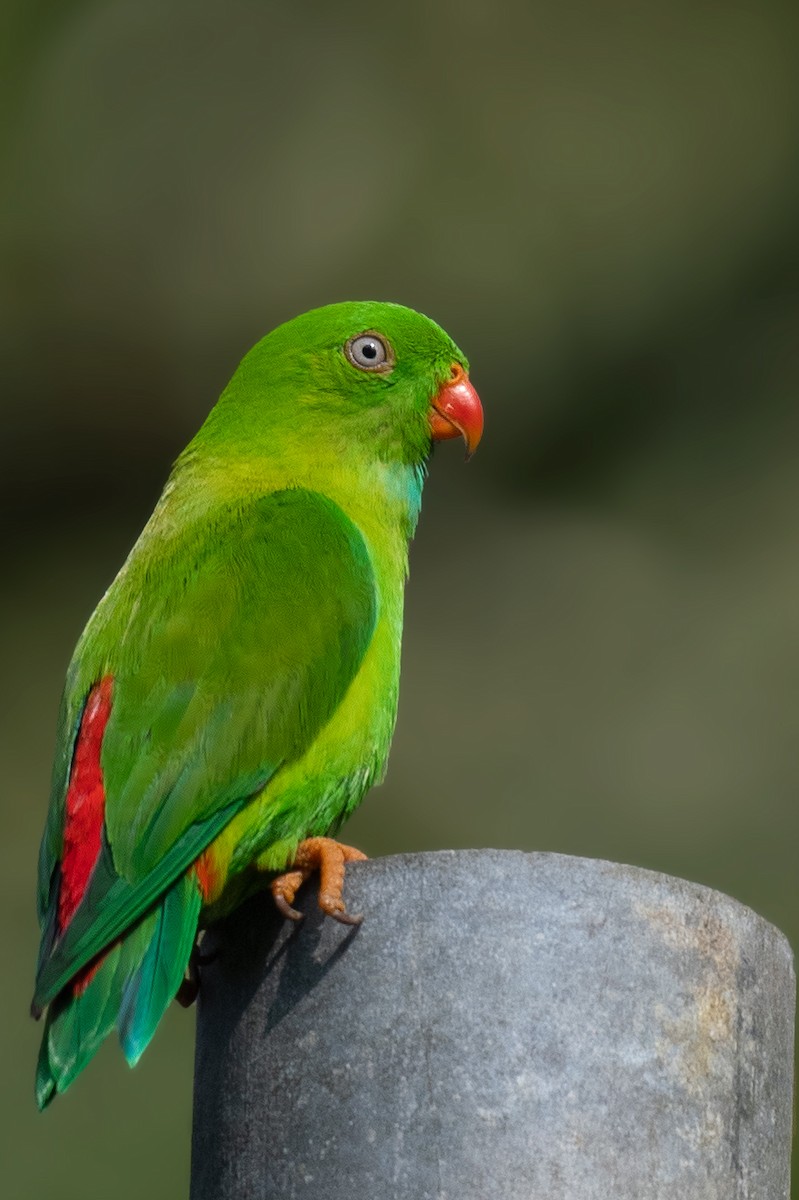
[[129, 988]]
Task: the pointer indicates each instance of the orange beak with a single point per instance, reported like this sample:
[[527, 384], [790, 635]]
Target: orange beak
[[457, 411]]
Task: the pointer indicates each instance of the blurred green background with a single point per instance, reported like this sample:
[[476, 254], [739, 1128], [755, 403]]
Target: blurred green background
[[599, 201]]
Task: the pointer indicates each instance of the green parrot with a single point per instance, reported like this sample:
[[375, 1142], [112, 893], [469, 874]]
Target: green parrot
[[234, 694]]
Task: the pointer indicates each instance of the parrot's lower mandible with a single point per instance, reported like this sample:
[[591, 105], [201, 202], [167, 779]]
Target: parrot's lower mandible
[[234, 694]]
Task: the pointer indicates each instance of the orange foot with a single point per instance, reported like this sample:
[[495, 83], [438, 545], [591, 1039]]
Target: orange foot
[[329, 858]]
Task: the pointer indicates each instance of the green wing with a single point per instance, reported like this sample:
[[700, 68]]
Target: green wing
[[230, 646]]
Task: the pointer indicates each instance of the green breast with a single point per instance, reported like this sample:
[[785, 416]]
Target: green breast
[[313, 794]]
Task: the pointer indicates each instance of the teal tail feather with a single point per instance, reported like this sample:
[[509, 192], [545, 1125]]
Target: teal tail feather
[[131, 989]]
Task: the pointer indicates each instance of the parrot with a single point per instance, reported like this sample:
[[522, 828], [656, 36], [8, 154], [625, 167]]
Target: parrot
[[234, 694]]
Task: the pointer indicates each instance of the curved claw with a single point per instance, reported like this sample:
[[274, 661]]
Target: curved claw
[[189, 988], [345, 918], [188, 991], [282, 904], [332, 905]]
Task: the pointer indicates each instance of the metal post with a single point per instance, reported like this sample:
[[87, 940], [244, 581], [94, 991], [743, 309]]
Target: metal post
[[509, 1025]]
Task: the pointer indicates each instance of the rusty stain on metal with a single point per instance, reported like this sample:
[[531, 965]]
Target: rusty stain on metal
[[503, 1024]]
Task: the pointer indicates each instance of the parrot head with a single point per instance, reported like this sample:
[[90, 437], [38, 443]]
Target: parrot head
[[364, 373]]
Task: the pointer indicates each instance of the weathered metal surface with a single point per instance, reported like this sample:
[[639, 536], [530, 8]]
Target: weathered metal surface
[[518, 1026]]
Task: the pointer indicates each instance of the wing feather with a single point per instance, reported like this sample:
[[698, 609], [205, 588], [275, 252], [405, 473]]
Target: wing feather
[[230, 648]]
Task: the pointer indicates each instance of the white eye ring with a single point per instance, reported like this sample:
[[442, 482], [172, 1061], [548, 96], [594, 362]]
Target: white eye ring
[[370, 352]]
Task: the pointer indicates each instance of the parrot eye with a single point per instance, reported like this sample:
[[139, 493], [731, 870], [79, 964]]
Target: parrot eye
[[370, 352]]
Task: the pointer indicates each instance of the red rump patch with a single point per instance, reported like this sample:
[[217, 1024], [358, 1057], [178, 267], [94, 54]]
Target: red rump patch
[[85, 804], [207, 875]]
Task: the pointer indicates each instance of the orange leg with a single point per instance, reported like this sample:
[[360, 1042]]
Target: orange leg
[[329, 858]]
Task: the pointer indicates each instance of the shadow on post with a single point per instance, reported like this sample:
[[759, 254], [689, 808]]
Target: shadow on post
[[519, 1026]]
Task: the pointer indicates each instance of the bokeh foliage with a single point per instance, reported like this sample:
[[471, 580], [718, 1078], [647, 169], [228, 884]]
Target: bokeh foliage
[[598, 200]]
